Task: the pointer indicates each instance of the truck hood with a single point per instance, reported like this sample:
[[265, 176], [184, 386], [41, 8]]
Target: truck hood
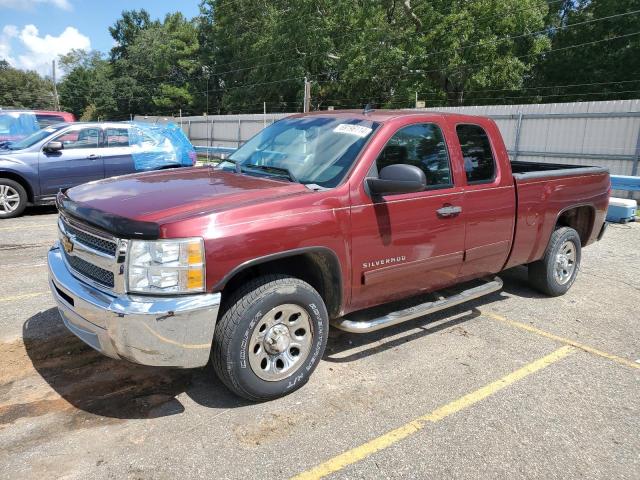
[[171, 195]]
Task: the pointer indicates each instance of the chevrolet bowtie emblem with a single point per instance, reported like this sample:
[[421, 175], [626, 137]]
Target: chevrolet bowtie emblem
[[67, 243]]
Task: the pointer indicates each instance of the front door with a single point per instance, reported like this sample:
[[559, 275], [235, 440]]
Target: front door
[[409, 243], [79, 161]]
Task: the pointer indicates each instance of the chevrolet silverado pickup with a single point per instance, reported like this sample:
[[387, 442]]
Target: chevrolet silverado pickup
[[313, 222]]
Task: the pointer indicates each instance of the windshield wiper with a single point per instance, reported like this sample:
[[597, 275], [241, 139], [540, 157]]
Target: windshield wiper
[[279, 171], [235, 164]]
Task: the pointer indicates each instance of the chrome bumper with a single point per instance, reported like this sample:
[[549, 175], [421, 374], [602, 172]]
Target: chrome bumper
[[161, 331]]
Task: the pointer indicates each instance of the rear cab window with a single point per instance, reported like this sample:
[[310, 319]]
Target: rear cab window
[[423, 146], [46, 120], [479, 163]]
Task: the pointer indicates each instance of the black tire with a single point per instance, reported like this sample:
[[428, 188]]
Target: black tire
[[24, 199], [541, 273], [243, 313]]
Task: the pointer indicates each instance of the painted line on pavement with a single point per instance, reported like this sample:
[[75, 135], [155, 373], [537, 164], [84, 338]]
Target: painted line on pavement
[[24, 227], [394, 436], [557, 338], [15, 298]]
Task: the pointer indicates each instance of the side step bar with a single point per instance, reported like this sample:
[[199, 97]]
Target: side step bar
[[394, 318]]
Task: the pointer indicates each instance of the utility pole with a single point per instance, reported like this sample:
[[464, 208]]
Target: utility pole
[[205, 70], [56, 100], [264, 118], [307, 95]]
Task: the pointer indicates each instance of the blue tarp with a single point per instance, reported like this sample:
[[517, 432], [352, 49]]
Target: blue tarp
[[154, 146], [17, 125]]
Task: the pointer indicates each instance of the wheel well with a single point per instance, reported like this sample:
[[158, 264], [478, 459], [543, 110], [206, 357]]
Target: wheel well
[[580, 219], [17, 178], [319, 269]]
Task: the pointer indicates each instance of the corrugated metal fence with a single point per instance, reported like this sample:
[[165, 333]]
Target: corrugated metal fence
[[591, 133]]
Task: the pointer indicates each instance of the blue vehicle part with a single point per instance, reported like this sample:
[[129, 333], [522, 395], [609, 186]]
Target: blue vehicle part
[[621, 210], [157, 146], [624, 182]]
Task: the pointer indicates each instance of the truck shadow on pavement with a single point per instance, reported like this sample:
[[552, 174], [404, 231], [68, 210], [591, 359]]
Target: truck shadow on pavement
[[99, 385], [91, 383]]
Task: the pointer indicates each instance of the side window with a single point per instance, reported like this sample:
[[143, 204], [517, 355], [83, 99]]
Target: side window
[[421, 145], [117, 137], [479, 164], [82, 138]]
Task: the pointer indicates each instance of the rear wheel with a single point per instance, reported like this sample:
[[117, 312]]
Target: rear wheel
[[13, 198], [556, 271], [270, 337]]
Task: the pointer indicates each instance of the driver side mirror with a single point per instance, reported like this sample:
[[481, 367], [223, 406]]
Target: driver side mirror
[[52, 147], [398, 178]]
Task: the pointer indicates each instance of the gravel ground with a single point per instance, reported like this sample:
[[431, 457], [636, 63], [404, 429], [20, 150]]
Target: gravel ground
[[68, 412]]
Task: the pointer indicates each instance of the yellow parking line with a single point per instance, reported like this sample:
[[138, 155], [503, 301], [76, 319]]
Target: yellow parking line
[[24, 227], [21, 297], [394, 436], [557, 338]]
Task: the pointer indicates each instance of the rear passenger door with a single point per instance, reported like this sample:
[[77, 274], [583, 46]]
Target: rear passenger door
[[80, 160], [489, 200], [117, 152], [412, 242]]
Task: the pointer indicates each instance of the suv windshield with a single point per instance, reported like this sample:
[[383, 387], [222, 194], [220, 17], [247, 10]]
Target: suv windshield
[[34, 138], [311, 150]]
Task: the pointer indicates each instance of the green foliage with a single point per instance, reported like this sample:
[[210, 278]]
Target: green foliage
[[22, 89], [237, 54]]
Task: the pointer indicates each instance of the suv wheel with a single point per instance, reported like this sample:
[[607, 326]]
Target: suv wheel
[[270, 337], [13, 198], [556, 271]]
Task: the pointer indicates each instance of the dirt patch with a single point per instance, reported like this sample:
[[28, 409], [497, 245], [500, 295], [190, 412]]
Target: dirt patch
[[274, 426]]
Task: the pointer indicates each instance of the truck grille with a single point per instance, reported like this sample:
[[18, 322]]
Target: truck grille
[[92, 272], [90, 253], [93, 241]]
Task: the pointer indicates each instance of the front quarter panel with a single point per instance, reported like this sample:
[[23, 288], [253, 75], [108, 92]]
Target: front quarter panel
[[238, 236], [24, 165]]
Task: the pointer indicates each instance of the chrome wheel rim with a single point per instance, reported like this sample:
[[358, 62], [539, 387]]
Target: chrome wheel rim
[[9, 199], [280, 342], [565, 263]]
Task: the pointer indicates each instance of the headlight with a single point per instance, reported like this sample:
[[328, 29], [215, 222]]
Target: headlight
[[166, 266]]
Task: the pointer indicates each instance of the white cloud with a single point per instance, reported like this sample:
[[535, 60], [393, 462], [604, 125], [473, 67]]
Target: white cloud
[[32, 4], [36, 52]]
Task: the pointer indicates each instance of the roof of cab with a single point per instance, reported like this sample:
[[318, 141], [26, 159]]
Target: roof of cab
[[383, 116]]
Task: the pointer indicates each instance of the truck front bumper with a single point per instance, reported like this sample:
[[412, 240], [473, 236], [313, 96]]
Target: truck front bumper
[[161, 331]]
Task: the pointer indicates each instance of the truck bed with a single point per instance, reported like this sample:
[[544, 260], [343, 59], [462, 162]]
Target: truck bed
[[530, 170], [544, 192]]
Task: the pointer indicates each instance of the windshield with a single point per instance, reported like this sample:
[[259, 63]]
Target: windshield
[[311, 150], [34, 138]]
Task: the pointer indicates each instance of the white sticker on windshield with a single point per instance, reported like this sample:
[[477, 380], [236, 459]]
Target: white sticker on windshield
[[357, 130]]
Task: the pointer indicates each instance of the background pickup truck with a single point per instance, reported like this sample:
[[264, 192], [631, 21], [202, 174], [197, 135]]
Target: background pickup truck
[[316, 220], [33, 170]]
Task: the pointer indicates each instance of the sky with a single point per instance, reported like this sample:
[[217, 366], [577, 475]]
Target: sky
[[34, 32]]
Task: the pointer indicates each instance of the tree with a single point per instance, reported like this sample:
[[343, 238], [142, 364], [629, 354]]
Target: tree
[[126, 30], [600, 55], [22, 89], [88, 89]]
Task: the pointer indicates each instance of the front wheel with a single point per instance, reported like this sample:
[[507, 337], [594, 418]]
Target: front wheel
[[556, 271], [270, 337], [13, 198]]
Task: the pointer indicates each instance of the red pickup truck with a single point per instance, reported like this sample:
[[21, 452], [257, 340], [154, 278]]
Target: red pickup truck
[[313, 221]]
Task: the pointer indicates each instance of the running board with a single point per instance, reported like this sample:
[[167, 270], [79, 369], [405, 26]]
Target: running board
[[394, 318]]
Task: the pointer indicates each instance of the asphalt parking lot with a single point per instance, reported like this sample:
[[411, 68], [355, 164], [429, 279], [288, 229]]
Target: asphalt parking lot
[[513, 385]]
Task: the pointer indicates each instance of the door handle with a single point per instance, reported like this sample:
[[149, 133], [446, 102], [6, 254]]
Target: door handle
[[93, 156], [449, 211]]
